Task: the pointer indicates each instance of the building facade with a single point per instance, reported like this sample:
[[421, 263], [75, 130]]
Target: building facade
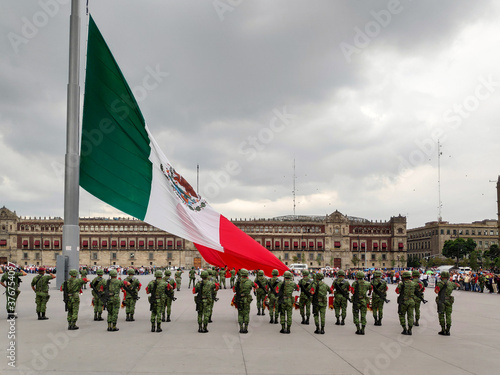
[[428, 241], [333, 240]]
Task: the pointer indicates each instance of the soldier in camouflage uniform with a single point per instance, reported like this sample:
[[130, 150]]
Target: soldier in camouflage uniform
[[170, 296], [378, 291], [73, 287], [406, 302], [192, 277], [305, 297], [359, 289], [40, 285], [319, 291], [481, 280], [285, 301], [261, 291], [204, 291], [11, 281], [158, 290], [131, 295], [111, 290], [339, 286], [273, 284], [222, 277], [444, 300], [419, 295], [96, 298], [212, 277], [178, 278], [243, 297], [83, 274], [233, 277]]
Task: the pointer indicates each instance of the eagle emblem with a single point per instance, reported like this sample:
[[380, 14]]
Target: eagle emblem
[[183, 189]]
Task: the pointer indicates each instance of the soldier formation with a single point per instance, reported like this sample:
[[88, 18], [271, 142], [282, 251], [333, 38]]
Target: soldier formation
[[272, 293]]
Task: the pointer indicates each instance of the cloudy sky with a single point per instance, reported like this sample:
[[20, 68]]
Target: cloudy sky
[[357, 93]]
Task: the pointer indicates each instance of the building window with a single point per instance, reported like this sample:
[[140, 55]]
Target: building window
[[37, 255], [442, 231], [113, 255], [56, 255], [25, 256], [94, 255], [286, 256], [374, 257], [151, 256], [311, 256], [170, 255], [466, 232]]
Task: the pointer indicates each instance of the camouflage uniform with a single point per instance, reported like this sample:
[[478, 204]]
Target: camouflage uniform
[[192, 277], [213, 278], [243, 287], [444, 288], [273, 285], [130, 300], [305, 297], [170, 296], [178, 279], [40, 285], [222, 277], [83, 274], [340, 301], [233, 276], [319, 290], [419, 295], [158, 290], [73, 287], [481, 280], [359, 288], [204, 291], [378, 300], [406, 302], [285, 301], [111, 289], [96, 299], [11, 281], [261, 292]]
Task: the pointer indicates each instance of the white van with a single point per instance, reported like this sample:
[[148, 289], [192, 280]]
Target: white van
[[465, 269], [298, 267]]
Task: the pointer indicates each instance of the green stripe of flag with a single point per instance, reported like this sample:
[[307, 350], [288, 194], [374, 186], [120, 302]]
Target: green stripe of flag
[[115, 148]]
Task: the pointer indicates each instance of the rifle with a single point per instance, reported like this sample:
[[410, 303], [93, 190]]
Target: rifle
[[306, 288], [401, 297], [420, 295], [152, 298], [170, 292], [199, 297], [259, 284], [315, 298], [339, 289], [237, 296], [381, 294], [441, 297], [65, 295], [132, 292], [355, 297], [281, 296], [104, 296], [272, 287]]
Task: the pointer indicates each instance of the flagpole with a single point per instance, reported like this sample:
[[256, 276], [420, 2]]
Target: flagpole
[[71, 230]]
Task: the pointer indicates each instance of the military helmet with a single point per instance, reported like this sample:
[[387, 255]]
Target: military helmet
[[100, 272], [204, 274], [73, 273], [288, 275], [319, 276], [244, 272], [158, 273], [168, 272], [341, 273], [377, 274], [406, 274], [415, 273], [360, 275], [305, 273], [260, 273], [275, 272], [131, 271], [445, 274], [113, 273], [210, 272]]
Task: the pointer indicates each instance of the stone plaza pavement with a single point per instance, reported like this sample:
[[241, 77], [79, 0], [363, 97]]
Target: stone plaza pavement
[[47, 347]]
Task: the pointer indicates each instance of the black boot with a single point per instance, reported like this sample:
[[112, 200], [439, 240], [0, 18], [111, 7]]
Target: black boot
[[200, 329], [95, 317], [39, 315], [258, 311], [153, 327], [303, 320], [132, 318], [163, 317], [337, 323], [70, 326], [158, 327], [358, 330], [405, 332], [75, 326], [409, 330], [271, 321], [168, 318], [380, 322], [114, 328], [205, 329], [276, 319], [210, 319], [322, 330], [127, 319], [263, 311], [342, 323], [282, 329], [447, 332], [362, 330], [109, 327], [307, 320], [245, 328], [241, 328], [287, 329], [44, 317], [99, 317], [443, 331], [416, 323], [317, 329]]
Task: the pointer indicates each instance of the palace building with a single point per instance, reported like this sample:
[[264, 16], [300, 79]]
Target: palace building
[[334, 240]]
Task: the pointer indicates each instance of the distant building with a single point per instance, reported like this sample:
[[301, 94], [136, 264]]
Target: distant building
[[335, 240]]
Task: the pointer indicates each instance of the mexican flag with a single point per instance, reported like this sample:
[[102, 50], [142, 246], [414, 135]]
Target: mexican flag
[[123, 165]]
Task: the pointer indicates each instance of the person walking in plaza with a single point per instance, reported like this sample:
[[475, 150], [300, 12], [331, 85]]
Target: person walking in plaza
[[222, 277], [419, 295], [158, 290], [40, 285], [204, 290], [273, 284], [359, 289], [305, 297], [71, 289], [11, 281], [378, 291], [170, 296], [110, 290], [340, 289], [406, 302], [131, 294], [83, 274], [96, 295], [444, 300], [178, 278], [285, 301], [243, 299], [319, 291], [232, 279], [261, 291], [192, 277]]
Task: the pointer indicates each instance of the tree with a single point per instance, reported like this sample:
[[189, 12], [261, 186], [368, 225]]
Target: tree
[[458, 248], [473, 260], [355, 260], [493, 252]]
